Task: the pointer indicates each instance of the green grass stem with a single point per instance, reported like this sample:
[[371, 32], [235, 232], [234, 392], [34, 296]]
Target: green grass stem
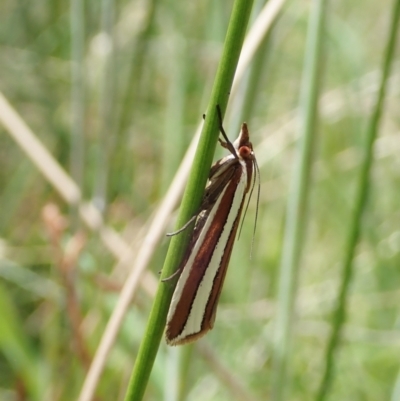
[[192, 197], [354, 232], [296, 217]]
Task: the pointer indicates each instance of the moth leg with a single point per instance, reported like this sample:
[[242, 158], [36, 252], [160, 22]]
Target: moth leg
[[184, 227], [173, 275]]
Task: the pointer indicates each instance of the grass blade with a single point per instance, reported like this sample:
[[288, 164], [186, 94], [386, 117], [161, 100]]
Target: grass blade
[[360, 202], [297, 204]]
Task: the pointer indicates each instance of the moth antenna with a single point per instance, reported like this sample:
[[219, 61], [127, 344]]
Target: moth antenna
[[229, 144], [257, 203], [247, 206]]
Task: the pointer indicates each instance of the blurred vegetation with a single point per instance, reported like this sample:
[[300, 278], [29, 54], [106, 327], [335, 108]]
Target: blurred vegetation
[[116, 101]]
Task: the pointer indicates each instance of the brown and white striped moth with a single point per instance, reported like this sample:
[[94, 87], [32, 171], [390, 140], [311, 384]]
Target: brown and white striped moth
[[193, 307]]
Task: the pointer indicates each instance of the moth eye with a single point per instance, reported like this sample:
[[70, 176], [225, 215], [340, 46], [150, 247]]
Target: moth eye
[[245, 151]]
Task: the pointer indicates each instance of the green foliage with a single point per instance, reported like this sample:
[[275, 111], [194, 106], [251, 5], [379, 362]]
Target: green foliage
[[140, 103]]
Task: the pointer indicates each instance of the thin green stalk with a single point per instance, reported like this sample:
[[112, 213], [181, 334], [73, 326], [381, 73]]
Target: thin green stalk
[[296, 210], [77, 91], [395, 396], [243, 105], [177, 372], [18, 350], [191, 198], [129, 98], [360, 202], [175, 108], [104, 141]]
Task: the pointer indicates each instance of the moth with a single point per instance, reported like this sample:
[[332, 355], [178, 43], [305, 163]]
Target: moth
[[202, 271]]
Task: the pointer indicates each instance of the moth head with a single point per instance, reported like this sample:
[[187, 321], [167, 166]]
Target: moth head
[[242, 144]]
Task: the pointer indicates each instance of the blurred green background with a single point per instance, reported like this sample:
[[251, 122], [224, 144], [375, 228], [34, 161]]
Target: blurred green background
[[115, 91]]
